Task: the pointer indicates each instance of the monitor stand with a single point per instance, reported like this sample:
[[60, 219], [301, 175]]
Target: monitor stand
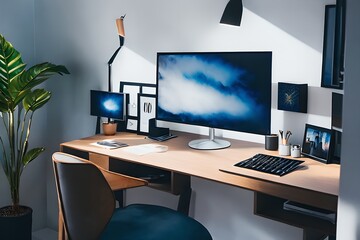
[[209, 144]]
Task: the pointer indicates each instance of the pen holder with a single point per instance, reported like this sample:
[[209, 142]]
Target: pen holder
[[284, 150]]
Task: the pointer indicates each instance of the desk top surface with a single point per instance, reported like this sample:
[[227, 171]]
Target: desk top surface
[[315, 177]]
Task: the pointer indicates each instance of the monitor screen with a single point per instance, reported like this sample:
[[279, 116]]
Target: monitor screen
[[224, 90], [107, 104]]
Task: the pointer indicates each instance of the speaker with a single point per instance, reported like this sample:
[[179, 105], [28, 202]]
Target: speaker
[[271, 142], [155, 131]]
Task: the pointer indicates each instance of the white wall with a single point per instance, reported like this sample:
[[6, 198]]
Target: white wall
[[82, 35], [349, 200], [17, 26]]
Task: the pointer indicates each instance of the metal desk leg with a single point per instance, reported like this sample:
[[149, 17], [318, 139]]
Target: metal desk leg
[[119, 196], [184, 201]]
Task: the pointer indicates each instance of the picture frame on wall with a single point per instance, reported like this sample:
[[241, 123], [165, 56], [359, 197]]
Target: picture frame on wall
[[146, 111], [317, 143], [131, 124], [293, 97], [133, 90], [333, 46]]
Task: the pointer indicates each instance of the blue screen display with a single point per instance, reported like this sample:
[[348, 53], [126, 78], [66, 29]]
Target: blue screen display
[[227, 90], [107, 104]]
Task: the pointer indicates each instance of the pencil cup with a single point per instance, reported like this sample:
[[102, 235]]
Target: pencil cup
[[284, 150], [109, 128]]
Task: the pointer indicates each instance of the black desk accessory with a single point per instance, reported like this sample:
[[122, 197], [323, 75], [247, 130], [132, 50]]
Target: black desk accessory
[[155, 131], [271, 142], [163, 137], [270, 164]]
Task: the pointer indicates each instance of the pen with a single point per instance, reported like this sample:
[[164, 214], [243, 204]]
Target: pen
[[281, 136], [285, 139]]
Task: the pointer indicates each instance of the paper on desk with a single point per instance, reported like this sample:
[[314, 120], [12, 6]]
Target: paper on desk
[[145, 149]]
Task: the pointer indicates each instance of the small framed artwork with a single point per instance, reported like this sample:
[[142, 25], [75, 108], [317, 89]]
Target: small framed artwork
[[292, 97], [317, 143], [131, 124], [146, 111]]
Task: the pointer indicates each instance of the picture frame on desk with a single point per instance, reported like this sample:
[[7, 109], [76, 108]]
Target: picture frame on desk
[[317, 143], [146, 111]]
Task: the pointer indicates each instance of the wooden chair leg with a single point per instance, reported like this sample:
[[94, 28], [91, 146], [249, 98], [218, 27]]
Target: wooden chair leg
[[61, 227]]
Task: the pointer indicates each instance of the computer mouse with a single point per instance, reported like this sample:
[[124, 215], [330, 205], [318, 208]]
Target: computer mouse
[[161, 148]]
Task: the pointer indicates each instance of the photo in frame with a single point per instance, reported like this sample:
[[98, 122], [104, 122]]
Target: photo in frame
[[146, 111], [317, 143], [133, 89]]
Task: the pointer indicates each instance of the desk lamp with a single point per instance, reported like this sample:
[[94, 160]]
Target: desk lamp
[[121, 33], [232, 13]]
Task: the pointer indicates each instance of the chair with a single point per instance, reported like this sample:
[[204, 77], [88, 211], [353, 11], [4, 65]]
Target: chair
[[87, 205]]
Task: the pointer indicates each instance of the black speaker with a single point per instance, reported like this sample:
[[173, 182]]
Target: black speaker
[[155, 131], [272, 142]]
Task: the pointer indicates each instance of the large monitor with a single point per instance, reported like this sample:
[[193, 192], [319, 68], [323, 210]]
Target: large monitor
[[224, 90], [107, 104]]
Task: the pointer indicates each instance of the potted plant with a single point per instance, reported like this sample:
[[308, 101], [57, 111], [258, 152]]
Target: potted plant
[[20, 97]]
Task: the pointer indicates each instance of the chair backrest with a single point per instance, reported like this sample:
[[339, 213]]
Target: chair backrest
[[86, 199]]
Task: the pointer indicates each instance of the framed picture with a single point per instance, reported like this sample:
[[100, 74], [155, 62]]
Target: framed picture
[[146, 111], [292, 97], [131, 124], [317, 143], [133, 89], [333, 46]]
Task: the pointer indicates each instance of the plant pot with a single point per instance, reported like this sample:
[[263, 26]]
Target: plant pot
[[15, 226], [109, 128]]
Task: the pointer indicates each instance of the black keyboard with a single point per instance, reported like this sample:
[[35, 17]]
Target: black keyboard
[[270, 164]]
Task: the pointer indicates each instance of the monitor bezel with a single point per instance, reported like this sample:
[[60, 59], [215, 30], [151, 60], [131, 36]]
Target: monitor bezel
[[215, 52]]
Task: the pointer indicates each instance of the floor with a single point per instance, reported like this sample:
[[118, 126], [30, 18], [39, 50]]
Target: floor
[[44, 234]]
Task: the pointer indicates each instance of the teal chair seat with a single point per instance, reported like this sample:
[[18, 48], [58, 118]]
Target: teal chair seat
[[150, 222]]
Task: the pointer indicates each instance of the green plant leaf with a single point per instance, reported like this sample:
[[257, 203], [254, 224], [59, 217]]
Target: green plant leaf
[[31, 155], [4, 107], [11, 64], [36, 99], [31, 78]]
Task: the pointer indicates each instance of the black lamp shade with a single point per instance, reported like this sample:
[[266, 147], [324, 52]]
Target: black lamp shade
[[232, 13]]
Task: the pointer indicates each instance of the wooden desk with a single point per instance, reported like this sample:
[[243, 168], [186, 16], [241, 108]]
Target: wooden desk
[[316, 184]]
